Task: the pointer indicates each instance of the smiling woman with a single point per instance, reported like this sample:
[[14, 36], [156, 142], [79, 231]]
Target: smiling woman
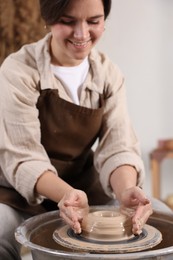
[[76, 32]]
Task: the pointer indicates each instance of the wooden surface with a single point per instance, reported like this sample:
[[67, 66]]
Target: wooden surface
[[162, 152]]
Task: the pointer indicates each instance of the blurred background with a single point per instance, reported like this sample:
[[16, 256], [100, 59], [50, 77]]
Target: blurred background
[[20, 23], [139, 38]]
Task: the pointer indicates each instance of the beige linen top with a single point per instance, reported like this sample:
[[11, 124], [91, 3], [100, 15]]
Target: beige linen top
[[22, 157]]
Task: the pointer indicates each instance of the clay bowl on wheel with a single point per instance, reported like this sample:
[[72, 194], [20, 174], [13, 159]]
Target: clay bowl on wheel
[[107, 225]]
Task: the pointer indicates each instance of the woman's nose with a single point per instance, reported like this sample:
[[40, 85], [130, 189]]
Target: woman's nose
[[81, 31]]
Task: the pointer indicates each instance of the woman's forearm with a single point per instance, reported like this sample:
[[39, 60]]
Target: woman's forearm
[[51, 186], [124, 177]]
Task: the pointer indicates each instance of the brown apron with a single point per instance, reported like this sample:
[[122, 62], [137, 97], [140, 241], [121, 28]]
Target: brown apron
[[68, 132]]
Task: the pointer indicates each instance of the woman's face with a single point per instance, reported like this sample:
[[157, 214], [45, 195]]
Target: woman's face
[[76, 32]]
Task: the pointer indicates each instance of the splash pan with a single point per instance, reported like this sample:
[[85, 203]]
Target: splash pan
[[36, 234]]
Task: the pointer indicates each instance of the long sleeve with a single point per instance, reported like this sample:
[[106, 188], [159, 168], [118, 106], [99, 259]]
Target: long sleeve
[[22, 157]]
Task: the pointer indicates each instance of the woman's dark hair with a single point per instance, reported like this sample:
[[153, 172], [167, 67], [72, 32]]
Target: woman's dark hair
[[52, 10]]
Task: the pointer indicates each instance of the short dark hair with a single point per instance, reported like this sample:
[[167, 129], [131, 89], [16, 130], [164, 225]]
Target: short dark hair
[[52, 10]]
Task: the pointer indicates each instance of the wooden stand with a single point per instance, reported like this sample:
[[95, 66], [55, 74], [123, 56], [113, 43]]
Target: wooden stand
[[163, 151]]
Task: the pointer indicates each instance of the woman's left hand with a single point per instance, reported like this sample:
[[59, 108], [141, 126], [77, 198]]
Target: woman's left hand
[[135, 203]]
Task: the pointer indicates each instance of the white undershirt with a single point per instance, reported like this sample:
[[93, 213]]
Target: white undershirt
[[72, 78]]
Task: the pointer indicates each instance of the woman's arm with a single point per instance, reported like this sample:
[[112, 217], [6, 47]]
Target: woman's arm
[[123, 178], [51, 186], [123, 182]]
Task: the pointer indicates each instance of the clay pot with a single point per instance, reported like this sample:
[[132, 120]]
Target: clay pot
[[107, 225]]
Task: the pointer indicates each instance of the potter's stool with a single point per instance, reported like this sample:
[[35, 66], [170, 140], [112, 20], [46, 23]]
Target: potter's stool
[[163, 151]]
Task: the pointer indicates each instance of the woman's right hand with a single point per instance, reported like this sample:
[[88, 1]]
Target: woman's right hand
[[73, 207]]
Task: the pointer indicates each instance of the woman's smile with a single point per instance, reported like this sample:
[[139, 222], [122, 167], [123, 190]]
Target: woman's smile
[[80, 44]]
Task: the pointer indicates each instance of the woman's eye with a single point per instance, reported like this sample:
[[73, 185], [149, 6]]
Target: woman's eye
[[93, 22], [66, 22], [72, 22]]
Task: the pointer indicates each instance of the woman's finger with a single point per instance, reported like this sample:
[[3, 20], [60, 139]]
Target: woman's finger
[[143, 211], [72, 220], [140, 218]]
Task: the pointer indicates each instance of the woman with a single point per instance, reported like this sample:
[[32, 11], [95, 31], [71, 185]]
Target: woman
[[58, 96]]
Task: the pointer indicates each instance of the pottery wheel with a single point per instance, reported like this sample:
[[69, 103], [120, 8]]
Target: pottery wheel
[[149, 238]]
